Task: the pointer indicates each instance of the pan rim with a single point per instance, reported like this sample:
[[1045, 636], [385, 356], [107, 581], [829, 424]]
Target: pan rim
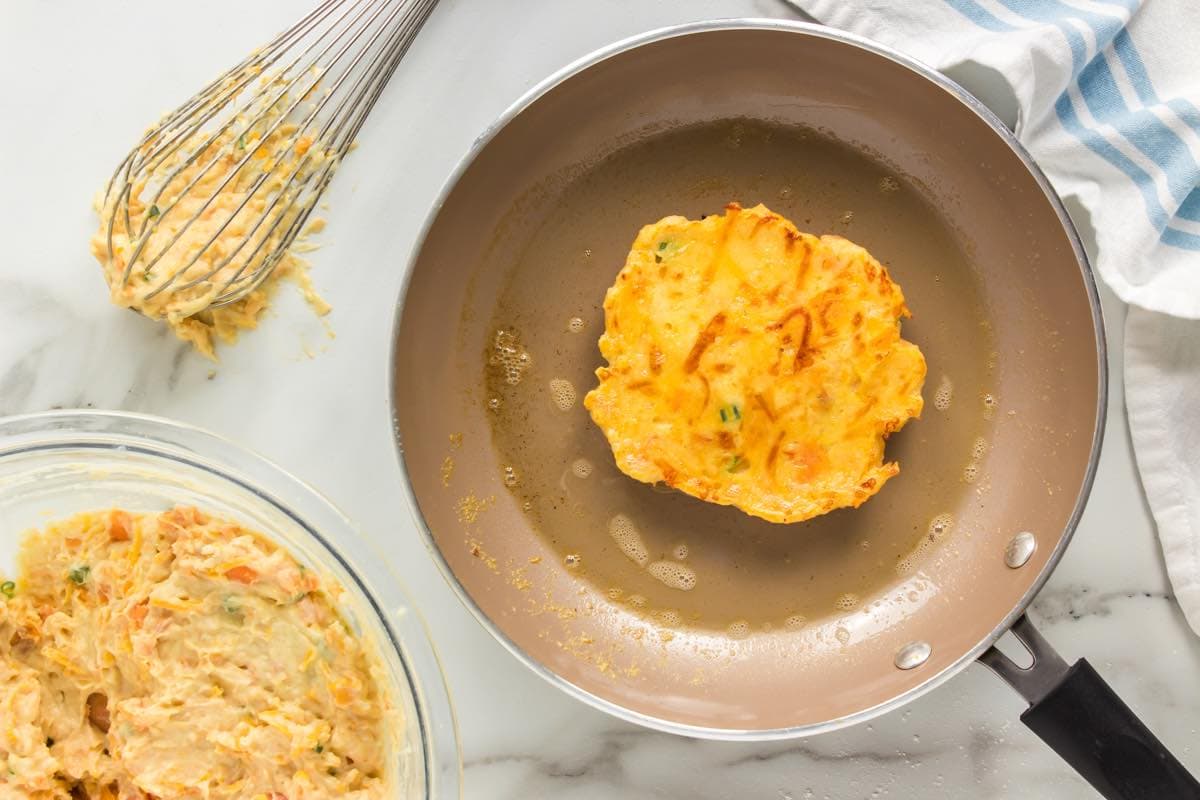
[[1006, 136]]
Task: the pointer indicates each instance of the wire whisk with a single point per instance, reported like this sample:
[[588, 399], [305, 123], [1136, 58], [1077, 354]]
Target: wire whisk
[[208, 203]]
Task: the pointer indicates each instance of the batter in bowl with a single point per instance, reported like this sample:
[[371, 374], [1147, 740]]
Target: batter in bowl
[[179, 655]]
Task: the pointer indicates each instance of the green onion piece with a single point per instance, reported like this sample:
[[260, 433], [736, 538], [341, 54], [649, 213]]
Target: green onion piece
[[666, 248], [737, 464], [230, 605], [8, 589], [320, 748], [730, 413], [153, 212], [79, 574], [241, 142]]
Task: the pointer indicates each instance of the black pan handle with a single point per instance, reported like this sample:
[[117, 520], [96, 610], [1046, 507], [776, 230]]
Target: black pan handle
[[1074, 711]]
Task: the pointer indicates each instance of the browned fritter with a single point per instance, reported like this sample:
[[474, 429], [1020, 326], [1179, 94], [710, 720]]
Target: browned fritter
[[753, 365]]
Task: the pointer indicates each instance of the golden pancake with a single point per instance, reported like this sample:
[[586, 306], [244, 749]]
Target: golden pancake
[[755, 366]]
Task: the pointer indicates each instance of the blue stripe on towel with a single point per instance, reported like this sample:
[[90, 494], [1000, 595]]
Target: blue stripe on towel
[[1177, 238], [980, 15], [1190, 209], [1131, 60]]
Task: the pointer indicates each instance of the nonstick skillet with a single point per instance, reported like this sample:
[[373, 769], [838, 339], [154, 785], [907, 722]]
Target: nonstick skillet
[[789, 630]]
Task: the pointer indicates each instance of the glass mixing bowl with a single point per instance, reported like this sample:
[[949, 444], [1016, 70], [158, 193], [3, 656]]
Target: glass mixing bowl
[[55, 464]]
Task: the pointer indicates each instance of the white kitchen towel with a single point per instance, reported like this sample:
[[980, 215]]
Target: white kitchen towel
[[1108, 95], [1162, 380]]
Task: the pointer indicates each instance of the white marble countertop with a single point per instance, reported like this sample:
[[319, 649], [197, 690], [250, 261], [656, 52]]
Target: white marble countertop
[[82, 79]]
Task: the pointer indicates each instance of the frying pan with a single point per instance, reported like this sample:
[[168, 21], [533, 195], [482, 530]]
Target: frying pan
[[788, 630]]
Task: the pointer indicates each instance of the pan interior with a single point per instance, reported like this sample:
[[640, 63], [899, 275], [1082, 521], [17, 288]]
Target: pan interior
[[750, 575]]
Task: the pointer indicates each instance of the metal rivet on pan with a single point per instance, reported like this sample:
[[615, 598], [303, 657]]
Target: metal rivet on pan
[[1019, 549], [913, 655]]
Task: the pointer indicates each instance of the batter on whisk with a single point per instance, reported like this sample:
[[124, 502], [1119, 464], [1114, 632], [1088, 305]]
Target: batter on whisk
[[208, 211], [185, 229]]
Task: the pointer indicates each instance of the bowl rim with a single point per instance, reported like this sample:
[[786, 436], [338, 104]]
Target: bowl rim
[[902, 60], [404, 628]]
